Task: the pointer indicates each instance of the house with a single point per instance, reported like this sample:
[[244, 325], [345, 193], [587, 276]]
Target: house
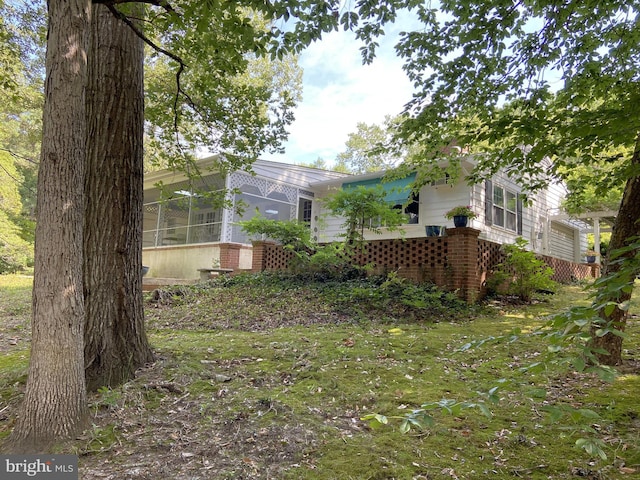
[[502, 215], [184, 231]]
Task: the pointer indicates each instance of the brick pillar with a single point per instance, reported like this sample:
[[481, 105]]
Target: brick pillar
[[462, 257], [230, 255], [257, 262]]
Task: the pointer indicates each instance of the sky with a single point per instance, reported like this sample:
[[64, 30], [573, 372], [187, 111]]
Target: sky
[[338, 92]]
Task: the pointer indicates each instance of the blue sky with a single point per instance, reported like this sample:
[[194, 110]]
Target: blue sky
[[339, 92]]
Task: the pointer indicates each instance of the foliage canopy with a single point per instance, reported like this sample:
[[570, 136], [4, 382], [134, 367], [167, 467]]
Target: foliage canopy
[[536, 87]]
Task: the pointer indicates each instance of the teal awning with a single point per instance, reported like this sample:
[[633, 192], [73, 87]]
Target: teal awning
[[397, 191]]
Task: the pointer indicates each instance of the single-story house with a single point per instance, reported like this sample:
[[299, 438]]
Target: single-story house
[[184, 232]]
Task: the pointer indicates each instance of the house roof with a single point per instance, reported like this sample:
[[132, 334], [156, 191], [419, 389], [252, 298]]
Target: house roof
[[297, 175]]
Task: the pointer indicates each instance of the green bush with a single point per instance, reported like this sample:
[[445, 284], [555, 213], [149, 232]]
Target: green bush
[[291, 234], [521, 273], [364, 209]]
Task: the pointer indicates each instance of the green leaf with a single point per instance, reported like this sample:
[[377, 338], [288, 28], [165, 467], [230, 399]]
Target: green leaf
[[555, 413], [484, 410], [375, 420], [590, 414], [592, 446], [405, 426], [609, 308], [579, 363]]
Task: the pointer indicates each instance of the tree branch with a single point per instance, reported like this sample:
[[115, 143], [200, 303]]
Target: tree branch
[[158, 3], [17, 180], [121, 16], [13, 154]]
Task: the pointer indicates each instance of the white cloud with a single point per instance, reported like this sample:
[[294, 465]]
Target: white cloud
[[339, 92]]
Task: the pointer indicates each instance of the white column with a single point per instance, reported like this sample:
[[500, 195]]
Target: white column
[[596, 238]]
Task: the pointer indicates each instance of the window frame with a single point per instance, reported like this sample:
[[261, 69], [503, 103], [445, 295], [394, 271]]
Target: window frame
[[506, 213]]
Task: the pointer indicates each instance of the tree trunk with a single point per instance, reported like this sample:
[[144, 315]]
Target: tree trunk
[[55, 403], [627, 226], [115, 339]]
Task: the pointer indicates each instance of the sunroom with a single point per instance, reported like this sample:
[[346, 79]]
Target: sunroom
[[186, 227]]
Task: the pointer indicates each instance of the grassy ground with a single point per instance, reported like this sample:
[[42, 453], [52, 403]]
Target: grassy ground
[[264, 378]]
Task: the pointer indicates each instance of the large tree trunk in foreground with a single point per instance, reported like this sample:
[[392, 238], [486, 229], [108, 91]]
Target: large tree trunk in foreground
[[627, 225], [115, 339], [55, 403]]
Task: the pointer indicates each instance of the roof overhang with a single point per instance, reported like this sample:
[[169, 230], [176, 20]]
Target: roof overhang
[[588, 220]]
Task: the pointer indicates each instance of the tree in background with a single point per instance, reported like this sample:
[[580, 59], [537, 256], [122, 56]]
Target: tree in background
[[16, 251], [363, 153], [227, 100], [322, 164], [20, 131]]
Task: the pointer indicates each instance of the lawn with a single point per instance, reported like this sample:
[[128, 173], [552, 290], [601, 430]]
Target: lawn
[[269, 378]]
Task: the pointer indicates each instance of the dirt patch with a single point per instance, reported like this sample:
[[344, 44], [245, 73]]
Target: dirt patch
[[155, 429]]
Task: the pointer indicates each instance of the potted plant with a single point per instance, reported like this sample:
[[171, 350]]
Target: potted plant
[[591, 256], [433, 230], [460, 215]]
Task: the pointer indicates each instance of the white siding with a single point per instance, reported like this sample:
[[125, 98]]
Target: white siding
[[495, 233], [434, 202], [566, 242], [561, 241]]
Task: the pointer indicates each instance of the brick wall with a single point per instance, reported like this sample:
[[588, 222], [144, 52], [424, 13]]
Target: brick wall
[[459, 261], [567, 272]]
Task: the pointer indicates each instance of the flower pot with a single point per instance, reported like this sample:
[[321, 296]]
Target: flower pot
[[460, 220], [432, 230]]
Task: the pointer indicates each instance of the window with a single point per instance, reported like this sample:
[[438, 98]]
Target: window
[[446, 180], [503, 208], [205, 226], [510, 210], [270, 208], [498, 206], [304, 210], [179, 215], [413, 208]]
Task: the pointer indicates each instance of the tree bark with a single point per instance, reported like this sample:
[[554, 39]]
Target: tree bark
[[627, 226], [55, 403], [115, 340]]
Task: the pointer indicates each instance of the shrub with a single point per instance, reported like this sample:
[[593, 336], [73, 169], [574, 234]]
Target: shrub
[[364, 209], [521, 273], [291, 234]]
